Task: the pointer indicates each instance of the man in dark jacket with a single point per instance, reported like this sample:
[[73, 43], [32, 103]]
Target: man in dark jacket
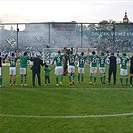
[[112, 68], [36, 69]]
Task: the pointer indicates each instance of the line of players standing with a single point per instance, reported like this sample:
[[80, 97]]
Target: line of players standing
[[70, 59], [93, 67]]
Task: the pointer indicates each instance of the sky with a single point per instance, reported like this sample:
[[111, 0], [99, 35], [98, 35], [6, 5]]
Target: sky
[[64, 10]]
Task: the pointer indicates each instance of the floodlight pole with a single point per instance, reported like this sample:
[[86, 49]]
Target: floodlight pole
[[49, 34], [81, 35], [113, 37]]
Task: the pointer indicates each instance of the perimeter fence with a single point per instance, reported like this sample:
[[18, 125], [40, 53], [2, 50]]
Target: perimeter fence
[[36, 36]]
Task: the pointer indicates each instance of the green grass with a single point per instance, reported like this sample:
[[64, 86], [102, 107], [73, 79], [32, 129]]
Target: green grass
[[65, 79], [75, 100]]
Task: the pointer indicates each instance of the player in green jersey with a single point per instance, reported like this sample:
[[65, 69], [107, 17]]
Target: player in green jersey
[[102, 70], [23, 68], [123, 68], [12, 70], [47, 74], [81, 65], [71, 66], [93, 67], [59, 67]]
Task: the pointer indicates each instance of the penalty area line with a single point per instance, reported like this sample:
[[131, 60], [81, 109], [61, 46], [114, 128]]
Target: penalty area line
[[67, 117]]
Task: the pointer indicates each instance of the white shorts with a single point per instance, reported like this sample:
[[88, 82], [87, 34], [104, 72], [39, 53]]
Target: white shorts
[[12, 70], [71, 69], [123, 72], [22, 70], [102, 69], [0, 71], [58, 70], [93, 70], [80, 70]]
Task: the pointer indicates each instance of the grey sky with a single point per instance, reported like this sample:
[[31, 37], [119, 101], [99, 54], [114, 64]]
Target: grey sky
[[65, 11]]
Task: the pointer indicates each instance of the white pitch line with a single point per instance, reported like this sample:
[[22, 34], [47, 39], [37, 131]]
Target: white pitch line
[[66, 117]]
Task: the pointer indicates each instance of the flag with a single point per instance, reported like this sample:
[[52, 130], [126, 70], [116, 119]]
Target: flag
[[11, 41]]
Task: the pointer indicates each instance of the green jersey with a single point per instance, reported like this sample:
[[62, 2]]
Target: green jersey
[[82, 60], [58, 59], [71, 60], [102, 61], [23, 61], [12, 61], [93, 60], [124, 61], [47, 71]]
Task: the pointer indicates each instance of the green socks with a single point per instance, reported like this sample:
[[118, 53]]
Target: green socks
[[72, 76], [82, 78], [101, 79], [56, 79], [69, 77], [126, 81], [61, 78], [91, 78], [104, 78], [21, 81], [14, 82], [25, 81], [121, 80], [95, 79], [78, 77]]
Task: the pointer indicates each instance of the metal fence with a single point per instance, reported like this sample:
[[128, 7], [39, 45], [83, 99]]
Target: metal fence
[[36, 36]]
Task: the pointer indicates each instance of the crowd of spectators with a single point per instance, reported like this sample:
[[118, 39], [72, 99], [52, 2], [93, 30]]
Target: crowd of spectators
[[60, 39]]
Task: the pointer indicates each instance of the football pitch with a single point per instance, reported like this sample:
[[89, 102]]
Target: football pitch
[[79, 108]]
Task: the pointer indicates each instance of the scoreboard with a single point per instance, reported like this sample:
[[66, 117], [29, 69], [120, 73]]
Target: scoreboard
[[64, 26]]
